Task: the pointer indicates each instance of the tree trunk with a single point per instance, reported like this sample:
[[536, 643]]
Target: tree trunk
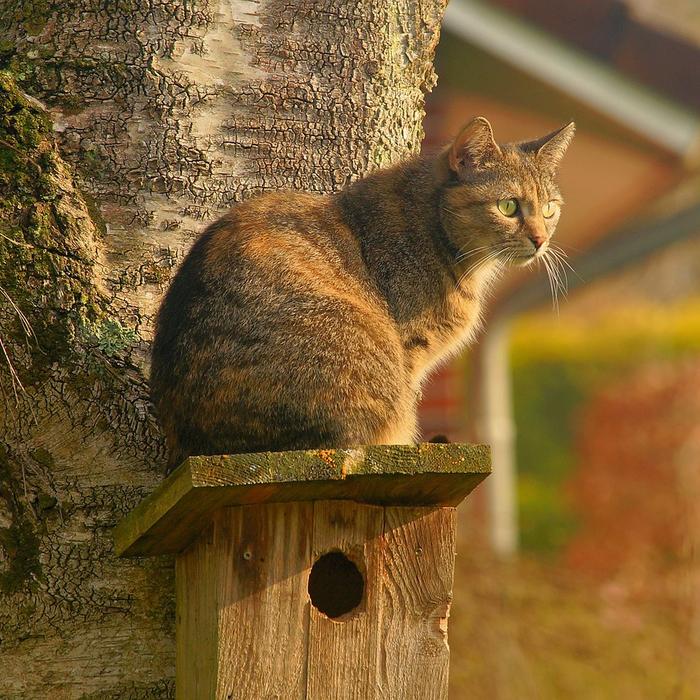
[[147, 119]]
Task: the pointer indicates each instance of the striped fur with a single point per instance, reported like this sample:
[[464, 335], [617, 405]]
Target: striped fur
[[300, 321]]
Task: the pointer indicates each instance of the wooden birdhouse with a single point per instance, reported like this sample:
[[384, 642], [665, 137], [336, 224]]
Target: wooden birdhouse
[[321, 574]]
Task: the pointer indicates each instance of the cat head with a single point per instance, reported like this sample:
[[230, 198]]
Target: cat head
[[501, 202]]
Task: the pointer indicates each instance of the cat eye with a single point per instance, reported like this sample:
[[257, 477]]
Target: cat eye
[[549, 210], [508, 207]]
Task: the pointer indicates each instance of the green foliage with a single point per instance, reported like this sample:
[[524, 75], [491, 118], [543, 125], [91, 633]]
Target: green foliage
[[556, 369], [545, 399], [613, 339], [547, 520]]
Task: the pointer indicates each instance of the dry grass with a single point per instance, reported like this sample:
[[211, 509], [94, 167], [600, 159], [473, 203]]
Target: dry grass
[[534, 630]]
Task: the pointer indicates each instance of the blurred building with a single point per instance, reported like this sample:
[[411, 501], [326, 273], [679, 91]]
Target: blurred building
[[628, 74]]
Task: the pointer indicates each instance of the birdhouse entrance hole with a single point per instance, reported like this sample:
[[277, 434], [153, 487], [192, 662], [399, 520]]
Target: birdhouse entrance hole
[[332, 540], [336, 585]]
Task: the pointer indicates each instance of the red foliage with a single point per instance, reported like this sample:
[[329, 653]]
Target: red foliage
[[637, 484]]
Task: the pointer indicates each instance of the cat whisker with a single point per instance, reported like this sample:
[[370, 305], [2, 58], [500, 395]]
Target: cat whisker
[[560, 275], [560, 272], [491, 256], [549, 276], [455, 214], [480, 249], [568, 245], [557, 276], [552, 285], [464, 252], [562, 255], [468, 253]]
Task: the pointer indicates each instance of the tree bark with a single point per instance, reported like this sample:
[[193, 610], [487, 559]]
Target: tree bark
[[147, 119]]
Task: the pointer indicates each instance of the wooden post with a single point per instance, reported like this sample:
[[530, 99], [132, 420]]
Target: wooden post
[[314, 575]]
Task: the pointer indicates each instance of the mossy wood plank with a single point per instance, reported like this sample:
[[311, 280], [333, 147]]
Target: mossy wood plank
[[429, 474]]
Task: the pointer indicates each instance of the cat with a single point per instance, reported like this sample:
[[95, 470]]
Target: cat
[[310, 321]]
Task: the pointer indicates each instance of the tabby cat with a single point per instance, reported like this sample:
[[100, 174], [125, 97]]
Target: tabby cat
[[300, 320]]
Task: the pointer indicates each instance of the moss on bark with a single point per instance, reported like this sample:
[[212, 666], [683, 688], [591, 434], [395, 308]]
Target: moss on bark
[[18, 539], [47, 241]]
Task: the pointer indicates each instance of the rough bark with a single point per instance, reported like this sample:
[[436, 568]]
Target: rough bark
[[154, 117]]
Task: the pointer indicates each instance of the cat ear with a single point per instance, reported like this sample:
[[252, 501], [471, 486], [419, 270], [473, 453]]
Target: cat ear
[[474, 146], [550, 149]]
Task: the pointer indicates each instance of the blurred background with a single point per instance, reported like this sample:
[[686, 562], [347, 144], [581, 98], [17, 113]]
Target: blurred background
[[578, 573]]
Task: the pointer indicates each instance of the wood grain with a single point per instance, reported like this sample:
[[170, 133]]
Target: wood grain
[[242, 608], [418, 571], [342, 652], [247, 630], [263, 561], [196, 623], [394, 646]]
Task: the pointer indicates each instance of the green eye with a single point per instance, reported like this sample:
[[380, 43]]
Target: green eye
[[508, 207], [549, 210]]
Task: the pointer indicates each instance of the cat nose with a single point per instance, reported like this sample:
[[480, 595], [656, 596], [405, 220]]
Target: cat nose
[[537, 240]]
